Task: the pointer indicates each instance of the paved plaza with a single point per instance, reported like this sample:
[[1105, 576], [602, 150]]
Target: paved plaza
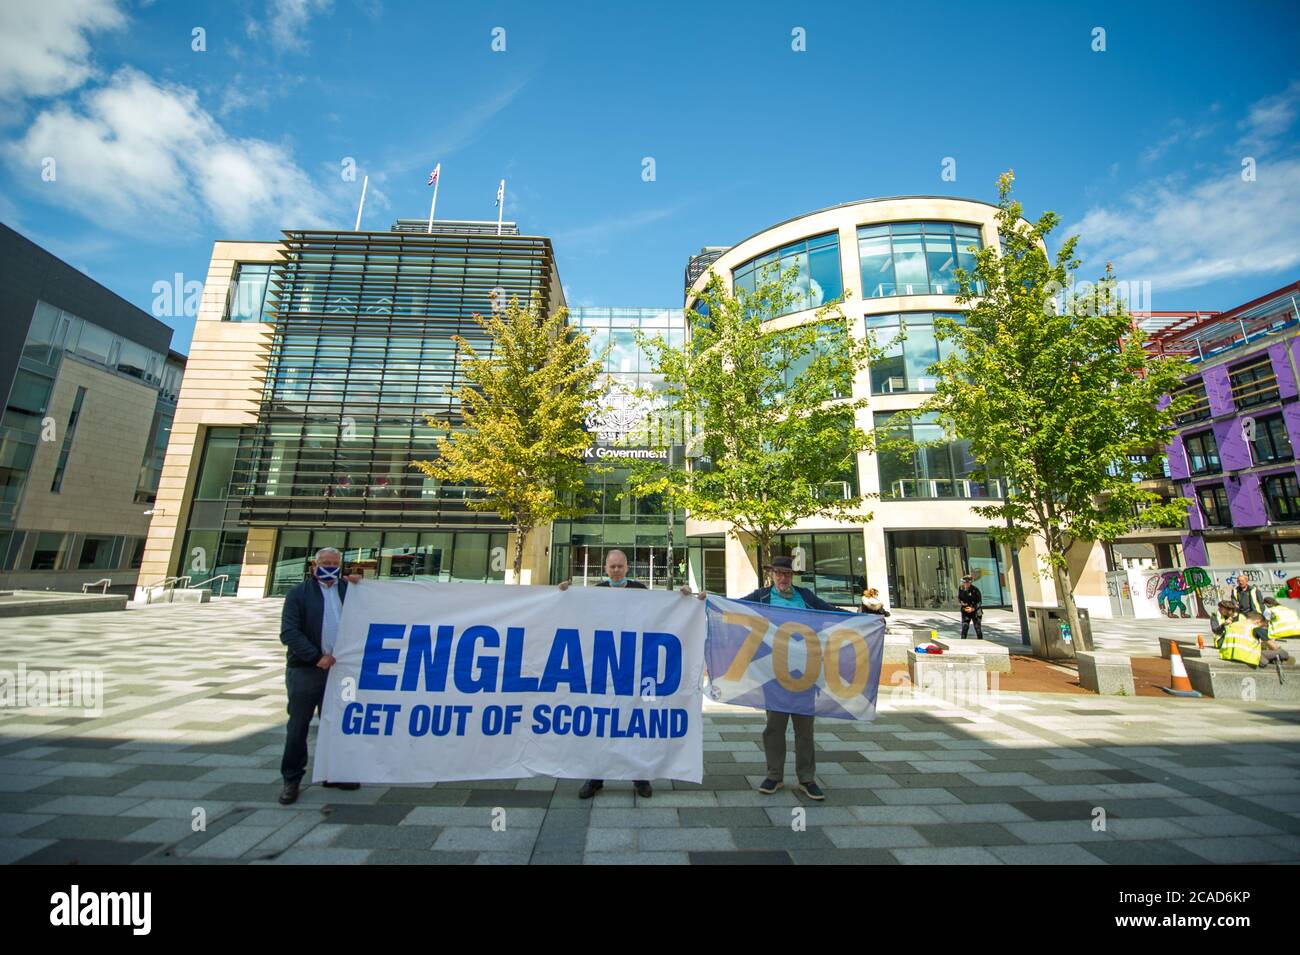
[[193, 726]]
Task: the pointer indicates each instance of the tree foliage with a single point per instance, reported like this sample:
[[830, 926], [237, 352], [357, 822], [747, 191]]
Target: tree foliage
[[1053, 388], [523, 406], [770, 409]]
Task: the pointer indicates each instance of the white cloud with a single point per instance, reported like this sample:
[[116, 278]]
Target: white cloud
[[1182, 232], [1180, 238], [43, 45], [1269, 119], [287, 21], [138, 156]]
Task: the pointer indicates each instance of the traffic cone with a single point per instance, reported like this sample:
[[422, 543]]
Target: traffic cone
[[1182, 686], [1200, 642]]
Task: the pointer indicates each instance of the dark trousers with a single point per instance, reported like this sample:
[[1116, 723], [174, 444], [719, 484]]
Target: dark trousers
[[601, 782], [967, 619], [805, 758], [306, 687]]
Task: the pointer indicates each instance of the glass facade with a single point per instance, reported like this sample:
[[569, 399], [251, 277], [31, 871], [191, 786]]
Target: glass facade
[[910, 349], [915, 258], [832, 564], [637, 526], [926, 567], [362, 350], [817, 261], [942, 468]]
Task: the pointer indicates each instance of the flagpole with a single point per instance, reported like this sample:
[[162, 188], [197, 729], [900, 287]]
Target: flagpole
[[364, 182], [437, 181], [501, 204]]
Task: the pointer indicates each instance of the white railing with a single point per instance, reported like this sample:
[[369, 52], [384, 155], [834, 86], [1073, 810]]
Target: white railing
[[220, 592], [105, 583]]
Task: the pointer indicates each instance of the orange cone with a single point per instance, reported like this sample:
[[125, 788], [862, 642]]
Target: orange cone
[[1200, 642], [1180, 684]]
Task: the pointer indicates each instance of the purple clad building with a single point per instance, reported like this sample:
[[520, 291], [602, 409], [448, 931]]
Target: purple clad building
[[1233, 455]]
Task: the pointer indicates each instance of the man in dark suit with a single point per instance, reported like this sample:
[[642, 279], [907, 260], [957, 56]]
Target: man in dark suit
[[783, 593], [309, 627], [616, 576], [972, 607]]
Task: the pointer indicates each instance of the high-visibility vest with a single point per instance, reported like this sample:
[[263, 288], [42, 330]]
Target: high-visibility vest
[[1238, 643], [1283, 622]]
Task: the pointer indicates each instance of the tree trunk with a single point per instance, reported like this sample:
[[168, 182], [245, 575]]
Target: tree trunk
[[764, 556], [520, 535], [1065, 591]]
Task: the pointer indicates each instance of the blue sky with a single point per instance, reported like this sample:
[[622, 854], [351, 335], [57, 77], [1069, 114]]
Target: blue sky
[[160, 149]]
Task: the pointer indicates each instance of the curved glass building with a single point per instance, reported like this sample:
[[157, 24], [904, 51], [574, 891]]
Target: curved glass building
[[895, 260]]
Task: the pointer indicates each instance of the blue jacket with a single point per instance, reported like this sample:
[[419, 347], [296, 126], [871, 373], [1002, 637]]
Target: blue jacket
[[301, 621], [764, 596]]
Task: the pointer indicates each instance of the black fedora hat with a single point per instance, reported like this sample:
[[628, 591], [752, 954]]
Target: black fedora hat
[[782, 563]]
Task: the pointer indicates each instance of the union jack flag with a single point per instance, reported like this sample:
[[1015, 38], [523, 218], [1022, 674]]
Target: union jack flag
[[433, 176]]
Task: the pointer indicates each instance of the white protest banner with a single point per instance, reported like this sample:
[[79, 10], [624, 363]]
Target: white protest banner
[[438, 682]]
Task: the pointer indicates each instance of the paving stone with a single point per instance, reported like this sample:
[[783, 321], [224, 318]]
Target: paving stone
[[747, 857], [485, 839], [387, 837], [1052, 854], [966, 855], [699, 840], [636, 858], [88, 852]]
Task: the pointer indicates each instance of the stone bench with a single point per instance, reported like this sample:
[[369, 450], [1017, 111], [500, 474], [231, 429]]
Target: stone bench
[[945, 671], [1228, 680], [1110, 674], [1187, 646], [995, 657]]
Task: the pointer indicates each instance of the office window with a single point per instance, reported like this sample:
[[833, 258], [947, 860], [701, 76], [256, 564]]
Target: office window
[[1254, 384], [939, 468], [49, 553], [1202, 453], [1214, 505], [910, 349], [915, 258], [1271, 443], [817, 261], [68, 433], [1199, 409], [1282, 493], [248, 300]]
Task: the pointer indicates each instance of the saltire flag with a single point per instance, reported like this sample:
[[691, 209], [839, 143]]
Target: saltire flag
[[501, 192], [808, 662]]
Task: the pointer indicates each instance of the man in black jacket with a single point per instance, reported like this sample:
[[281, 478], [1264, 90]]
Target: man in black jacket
[[783, 593], [1247, 598], [972, 611], [309, 627]]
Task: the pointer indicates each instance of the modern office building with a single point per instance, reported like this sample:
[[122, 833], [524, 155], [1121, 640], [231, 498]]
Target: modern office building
[[629, 426], [895, 260], [1233, 456], [91, 387], [315, 361]]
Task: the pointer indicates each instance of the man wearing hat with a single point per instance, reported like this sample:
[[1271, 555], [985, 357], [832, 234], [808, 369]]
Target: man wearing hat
[[783, 593], [970, 598]]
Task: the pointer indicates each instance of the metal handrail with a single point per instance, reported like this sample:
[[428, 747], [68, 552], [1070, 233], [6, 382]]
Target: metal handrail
[[221, 577], [106, 581]]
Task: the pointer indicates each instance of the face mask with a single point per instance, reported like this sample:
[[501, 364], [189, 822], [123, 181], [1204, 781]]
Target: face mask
[[618, 583], [327, 573]]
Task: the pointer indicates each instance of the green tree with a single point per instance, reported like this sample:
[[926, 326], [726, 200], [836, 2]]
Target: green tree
[[770, 410], [1053, 387], [524, 406]]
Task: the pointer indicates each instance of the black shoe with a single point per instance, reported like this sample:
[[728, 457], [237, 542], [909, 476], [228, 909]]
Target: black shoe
[[642, 787], [590, 788], [769, 786], [348, 786], [289, 794], [812, 791]]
